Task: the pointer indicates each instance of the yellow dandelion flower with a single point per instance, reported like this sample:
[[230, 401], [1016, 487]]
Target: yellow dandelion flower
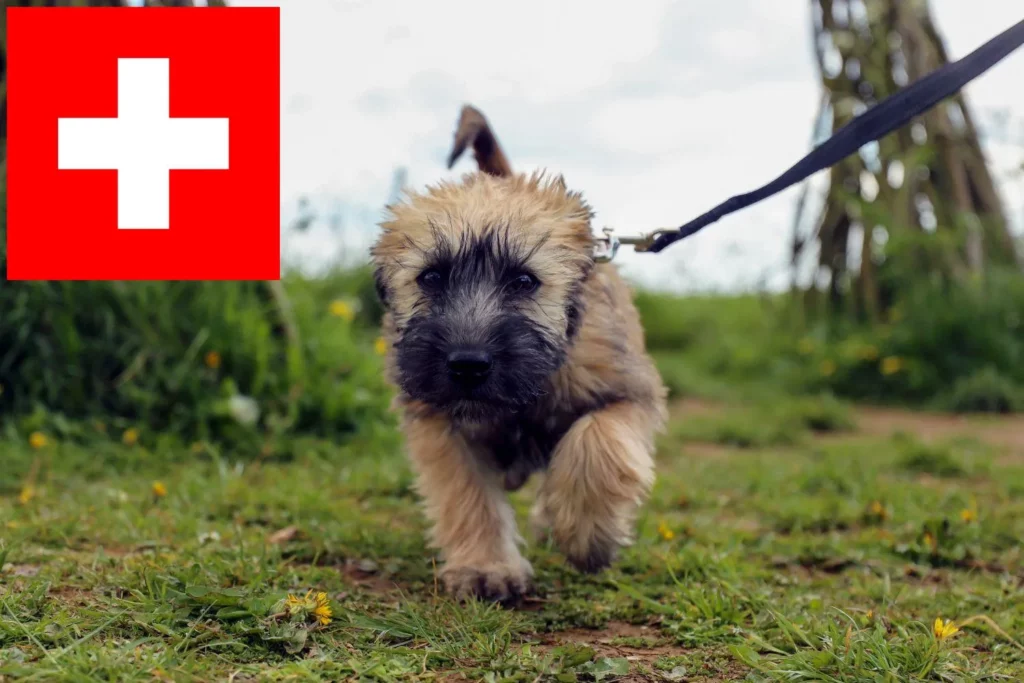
[[944, 629], [827, 368], [322, 611], [342, 309], [929, 540], [130, 437], [805, 346], [891, 365], [28, 492], [38, 440], [968, 515], [665, 532], [380, 347], [871, 614], [316, 604], [212, 360], [159, 490], [877, 509]]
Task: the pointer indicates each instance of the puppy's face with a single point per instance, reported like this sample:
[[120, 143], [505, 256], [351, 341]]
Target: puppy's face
[[481, 283]]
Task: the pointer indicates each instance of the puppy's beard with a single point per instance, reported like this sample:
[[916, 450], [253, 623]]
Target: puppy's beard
[[472, 412]]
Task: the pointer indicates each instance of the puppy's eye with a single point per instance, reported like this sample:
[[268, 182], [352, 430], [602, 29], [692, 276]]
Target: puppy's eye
[[431, 279], [523, 283]]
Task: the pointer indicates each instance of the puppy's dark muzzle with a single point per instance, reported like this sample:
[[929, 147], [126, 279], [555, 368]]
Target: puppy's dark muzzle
[[469, 368]]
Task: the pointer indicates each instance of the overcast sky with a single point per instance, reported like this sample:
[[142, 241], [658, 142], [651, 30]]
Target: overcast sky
[[656, 110]]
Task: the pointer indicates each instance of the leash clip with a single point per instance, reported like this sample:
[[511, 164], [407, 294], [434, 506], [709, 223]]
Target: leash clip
[[608, 246]]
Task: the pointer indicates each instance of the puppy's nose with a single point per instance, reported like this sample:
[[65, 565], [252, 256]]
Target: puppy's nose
[[469, 367]]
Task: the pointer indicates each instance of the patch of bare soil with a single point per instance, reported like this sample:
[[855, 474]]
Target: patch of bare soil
[[25, 570], [641, 646], [367, 576], [609, 641], [73, 595]]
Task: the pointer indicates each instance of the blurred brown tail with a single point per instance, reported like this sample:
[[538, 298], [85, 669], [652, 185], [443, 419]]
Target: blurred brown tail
[[473, 130]]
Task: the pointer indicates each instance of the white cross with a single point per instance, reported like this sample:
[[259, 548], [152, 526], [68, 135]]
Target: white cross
[[143, 144]]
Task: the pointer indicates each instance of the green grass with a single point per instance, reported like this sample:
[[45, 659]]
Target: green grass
[[170, 356], [826, 556], [768, 422], [953, 345]]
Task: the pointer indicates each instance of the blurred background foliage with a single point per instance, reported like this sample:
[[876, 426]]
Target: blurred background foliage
[[920, 299]]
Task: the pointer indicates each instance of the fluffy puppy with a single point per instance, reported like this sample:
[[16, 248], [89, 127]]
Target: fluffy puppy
[[514, 353]]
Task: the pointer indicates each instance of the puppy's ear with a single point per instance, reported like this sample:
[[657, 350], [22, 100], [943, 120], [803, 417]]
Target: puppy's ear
[[382, 290], [474, 131]]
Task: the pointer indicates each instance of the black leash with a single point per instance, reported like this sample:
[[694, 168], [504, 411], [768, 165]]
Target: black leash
[[877, 122]]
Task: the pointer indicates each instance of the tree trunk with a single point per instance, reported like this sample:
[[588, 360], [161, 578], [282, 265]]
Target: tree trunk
[[867, 50]]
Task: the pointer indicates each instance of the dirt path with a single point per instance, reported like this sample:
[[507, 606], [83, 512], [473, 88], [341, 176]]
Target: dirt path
[[1002, 431]]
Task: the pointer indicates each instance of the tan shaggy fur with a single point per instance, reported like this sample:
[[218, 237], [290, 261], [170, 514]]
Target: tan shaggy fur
[[601, 468]]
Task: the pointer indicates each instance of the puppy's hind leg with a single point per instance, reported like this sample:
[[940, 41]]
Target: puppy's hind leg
[[600, 473], [473, 523]]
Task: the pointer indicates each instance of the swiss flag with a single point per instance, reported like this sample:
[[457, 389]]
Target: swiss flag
[[143, 143]]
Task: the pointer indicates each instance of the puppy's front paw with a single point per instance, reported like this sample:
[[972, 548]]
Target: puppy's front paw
[[590, 544], [595, 557], [504, 583]]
